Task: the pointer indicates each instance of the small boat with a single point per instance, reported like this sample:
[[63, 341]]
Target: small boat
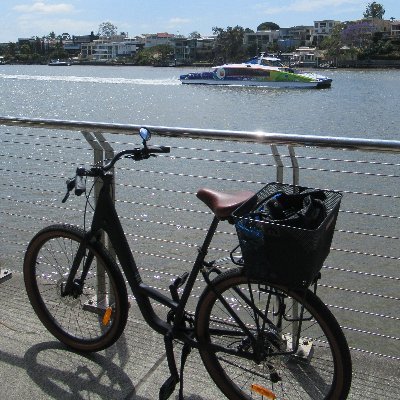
[[59, 63], [261, 71]]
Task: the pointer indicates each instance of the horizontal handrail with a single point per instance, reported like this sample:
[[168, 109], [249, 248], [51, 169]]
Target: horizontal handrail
[[391, 146]]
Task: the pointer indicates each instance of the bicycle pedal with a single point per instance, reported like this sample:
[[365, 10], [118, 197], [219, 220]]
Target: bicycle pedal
[[168, 387], [178, 282], [181, 280]]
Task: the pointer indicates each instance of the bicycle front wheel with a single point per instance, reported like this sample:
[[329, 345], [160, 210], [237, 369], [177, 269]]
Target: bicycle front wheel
[[93, 315], [261, 341]]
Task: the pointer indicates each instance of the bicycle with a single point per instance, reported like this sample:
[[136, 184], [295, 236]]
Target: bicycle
[[255, 337]]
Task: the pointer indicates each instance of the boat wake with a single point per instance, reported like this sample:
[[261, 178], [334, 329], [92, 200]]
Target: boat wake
[[91, 79]]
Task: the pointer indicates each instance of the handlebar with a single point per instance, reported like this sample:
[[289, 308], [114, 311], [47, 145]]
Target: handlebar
[[137, 154]]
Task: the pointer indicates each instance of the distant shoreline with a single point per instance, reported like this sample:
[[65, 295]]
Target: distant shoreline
[[349, 64]]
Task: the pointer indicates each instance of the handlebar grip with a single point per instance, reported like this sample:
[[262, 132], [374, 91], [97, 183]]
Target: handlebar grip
[[165, 149], [159, 149]]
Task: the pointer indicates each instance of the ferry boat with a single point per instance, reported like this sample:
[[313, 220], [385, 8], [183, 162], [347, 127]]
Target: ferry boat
[[259, 71]]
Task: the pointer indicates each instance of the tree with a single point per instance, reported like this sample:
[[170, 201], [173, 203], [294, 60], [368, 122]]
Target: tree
[[374, 10], [11, 49], [194, 35], [228, 44], [155, 55], [107, 29], [358, 34], [268, 26], [58, 51], [332, 44]]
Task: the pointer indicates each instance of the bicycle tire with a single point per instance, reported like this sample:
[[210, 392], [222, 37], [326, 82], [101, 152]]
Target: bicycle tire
[[91, 320], [321, 371]]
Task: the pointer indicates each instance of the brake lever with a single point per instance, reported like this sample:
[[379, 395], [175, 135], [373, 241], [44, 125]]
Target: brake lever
[[70, 186], [65, 197]]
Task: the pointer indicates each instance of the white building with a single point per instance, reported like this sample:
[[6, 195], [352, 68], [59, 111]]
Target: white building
[[323, 29], [395, 28], [156, 39], [107, 49], [305, 56], [261, 39]]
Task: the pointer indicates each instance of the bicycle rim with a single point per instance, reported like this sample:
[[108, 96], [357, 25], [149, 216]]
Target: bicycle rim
[[90, 320], [271, 367]]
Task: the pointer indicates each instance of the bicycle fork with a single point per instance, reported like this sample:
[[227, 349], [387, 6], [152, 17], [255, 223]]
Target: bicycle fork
[[74, 286]]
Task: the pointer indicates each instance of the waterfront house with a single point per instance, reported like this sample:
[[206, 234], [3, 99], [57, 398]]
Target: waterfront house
[[323, 29], [395, 28], [106, 49]]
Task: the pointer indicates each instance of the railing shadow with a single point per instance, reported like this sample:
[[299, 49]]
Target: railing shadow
[[61, 378]]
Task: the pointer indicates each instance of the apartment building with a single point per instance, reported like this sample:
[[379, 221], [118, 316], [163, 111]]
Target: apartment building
[[323, 29], [395, 28], [262, 40], [295, 36], [156, 39], [107, 49]]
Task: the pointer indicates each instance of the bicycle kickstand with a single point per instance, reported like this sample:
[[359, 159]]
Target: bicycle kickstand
[[187, 348], [169, 385]]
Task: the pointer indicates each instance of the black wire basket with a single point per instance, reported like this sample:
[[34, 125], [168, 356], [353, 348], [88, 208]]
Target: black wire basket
[[275, 252]]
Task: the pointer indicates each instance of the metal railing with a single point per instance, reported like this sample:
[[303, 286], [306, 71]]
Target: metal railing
[[165, 222]]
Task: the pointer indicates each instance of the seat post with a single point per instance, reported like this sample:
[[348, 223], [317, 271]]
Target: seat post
[[207, 240], [179, 313]]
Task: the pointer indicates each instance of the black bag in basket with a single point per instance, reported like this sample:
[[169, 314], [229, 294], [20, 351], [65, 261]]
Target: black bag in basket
[[305, 210]]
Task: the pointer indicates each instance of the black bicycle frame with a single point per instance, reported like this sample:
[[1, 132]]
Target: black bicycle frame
[[106, 219]]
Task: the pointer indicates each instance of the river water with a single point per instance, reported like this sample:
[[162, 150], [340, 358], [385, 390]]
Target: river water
[[359, 103]]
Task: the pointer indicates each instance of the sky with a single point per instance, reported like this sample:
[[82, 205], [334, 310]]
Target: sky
[[28, 18]]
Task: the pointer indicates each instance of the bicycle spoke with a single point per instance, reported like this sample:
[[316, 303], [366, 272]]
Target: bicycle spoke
[[75, 315], [267, 362]]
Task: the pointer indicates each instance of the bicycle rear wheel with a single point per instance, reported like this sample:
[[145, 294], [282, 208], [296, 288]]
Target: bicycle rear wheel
[[94, 315], [248, 357]]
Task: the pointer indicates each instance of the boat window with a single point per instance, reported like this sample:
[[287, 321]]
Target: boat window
[[245, 72], [271, 63]]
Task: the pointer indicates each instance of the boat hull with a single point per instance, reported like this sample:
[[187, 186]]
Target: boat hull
[[253, 83]]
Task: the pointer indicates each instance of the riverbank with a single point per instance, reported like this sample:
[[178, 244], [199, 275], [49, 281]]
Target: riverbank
[[367, 64], [360, 64]]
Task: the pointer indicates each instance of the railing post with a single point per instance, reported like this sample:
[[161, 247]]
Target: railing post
[[295, 165], [295, 182], [102, 150], [278, 163], [108, 154], [97, 157]]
